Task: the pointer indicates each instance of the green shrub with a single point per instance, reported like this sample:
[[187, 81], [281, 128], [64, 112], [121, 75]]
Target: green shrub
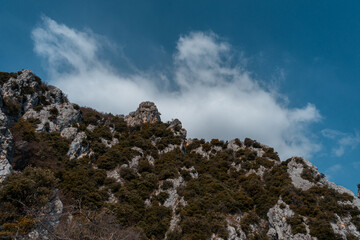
[[12, 107], [323, 230], [156, 222], [248, 142], [247, 220], [81, 183], [22, 196], [162, 196], [297, 225], [5, 76], [167, 185]]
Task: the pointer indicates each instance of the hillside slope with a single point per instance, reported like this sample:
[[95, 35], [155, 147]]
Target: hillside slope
[[70, 172]]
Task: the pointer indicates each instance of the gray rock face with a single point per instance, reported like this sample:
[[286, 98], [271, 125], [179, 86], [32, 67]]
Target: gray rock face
[[108, 143], [344, 227], [176, 127], [49, 218], [26, 94], [146, 113], [6, 147], [77, 149], [278, 226], [295, 169], [69, 133], [66, 115], [233, 145]]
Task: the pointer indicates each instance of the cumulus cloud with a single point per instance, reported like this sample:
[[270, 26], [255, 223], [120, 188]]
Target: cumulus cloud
[[211, 94], [343, 140]]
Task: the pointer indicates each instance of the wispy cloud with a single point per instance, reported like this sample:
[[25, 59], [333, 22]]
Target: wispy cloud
[[211, 94], [343, 140], [333, 170]]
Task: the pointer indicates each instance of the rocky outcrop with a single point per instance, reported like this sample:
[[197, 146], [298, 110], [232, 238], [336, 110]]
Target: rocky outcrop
[[6, 147], [344, 227], [278, 226], [54, 117], [77, 148], [69, 133], [48, 219], [146, 113], [295, 169], [176, 127]]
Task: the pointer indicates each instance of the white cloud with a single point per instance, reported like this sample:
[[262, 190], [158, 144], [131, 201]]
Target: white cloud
[[333, 171], [214, 97], [343, 140]]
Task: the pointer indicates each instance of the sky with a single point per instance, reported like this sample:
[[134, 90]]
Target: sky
[[285, 73]]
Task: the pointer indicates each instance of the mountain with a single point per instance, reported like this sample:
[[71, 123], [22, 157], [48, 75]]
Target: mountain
[[70, 172]]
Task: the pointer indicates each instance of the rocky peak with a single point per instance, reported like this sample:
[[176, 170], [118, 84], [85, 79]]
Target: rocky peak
[[146, 113], [176, 127], [24, 95]]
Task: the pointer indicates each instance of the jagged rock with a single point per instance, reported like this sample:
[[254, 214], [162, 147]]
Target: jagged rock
[[48, 219], [150, 159], [69, 132], [192, 171], [344, 227], [146, 113], [66, 115], [108, 143], [6, 147], [90, 127], [114, 174], [233, 145], [134, 162], [295, 169], [176, 127], [173, 201], [139, 150], [278, 226], [77, 149], [169, 148]]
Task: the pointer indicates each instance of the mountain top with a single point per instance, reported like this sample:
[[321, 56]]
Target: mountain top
[[70, 172]]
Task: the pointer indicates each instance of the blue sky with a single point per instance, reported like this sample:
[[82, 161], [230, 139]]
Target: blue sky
[[283, 72]]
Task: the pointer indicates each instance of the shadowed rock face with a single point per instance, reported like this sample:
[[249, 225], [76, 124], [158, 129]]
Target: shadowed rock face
[[146, 113]]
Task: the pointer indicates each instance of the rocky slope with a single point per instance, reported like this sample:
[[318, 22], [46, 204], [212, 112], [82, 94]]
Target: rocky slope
[[73, 173]]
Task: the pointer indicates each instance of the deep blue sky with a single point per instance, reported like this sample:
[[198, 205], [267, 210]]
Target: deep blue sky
[[314, 43]]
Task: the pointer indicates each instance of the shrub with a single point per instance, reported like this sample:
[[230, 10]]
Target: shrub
[[167, 185], [269, 152], [5, 76], [80, 182], [217, 142], [38, 108], [22, 196], [127, 173], [156, 222], [27, 90], [248, 142], [162, 196], [323, 230], [297, 225], [247, 220], [12, 107]]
